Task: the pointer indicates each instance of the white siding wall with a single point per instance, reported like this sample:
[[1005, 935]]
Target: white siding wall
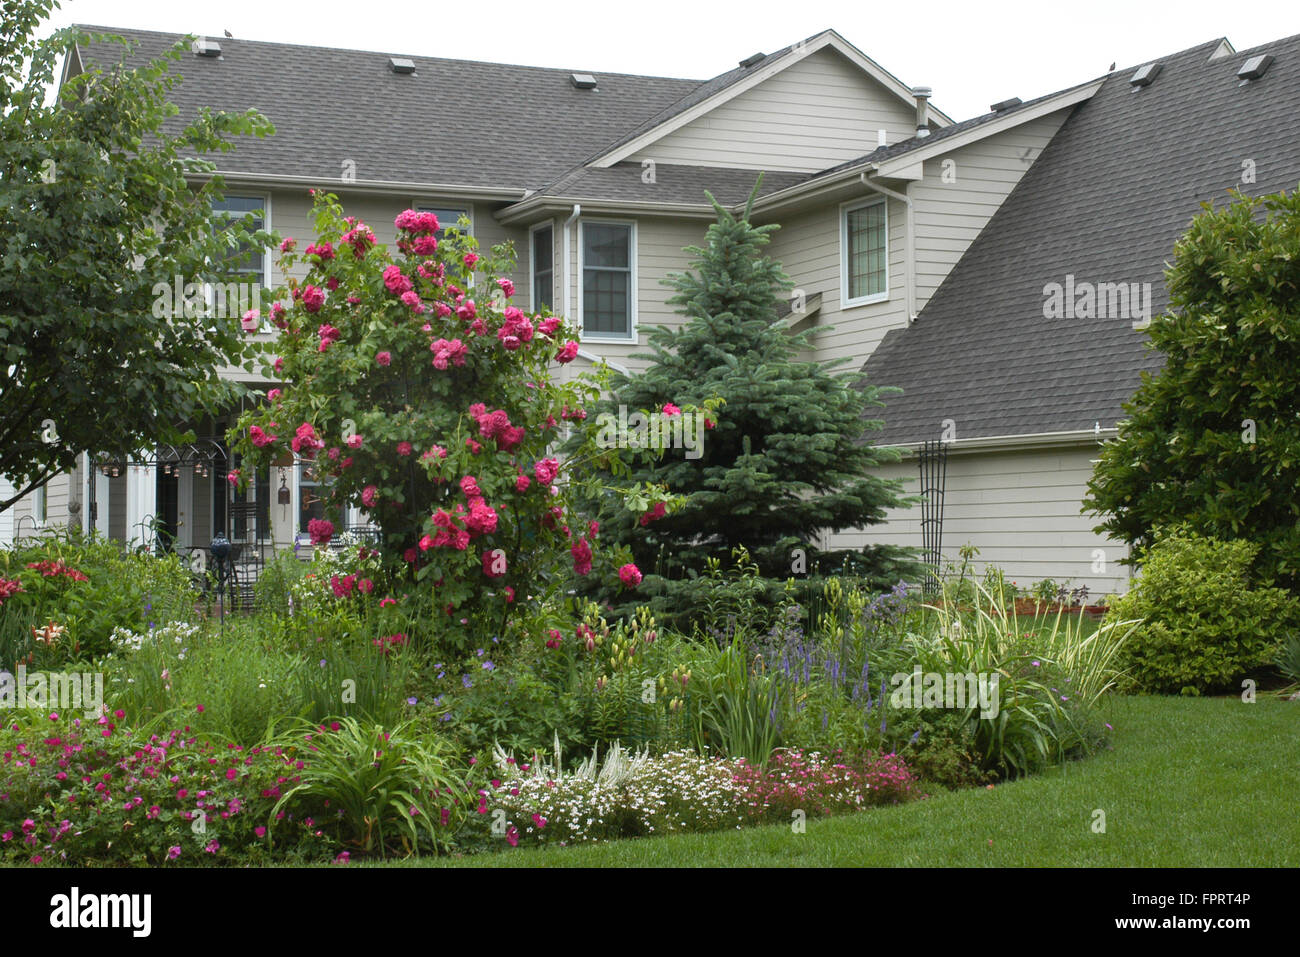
[[1021, 509], [813, 115], [56, 508]]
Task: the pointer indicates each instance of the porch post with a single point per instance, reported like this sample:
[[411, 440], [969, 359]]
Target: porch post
[[141, 502]]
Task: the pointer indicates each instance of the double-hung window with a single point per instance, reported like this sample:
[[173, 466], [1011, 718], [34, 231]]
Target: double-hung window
[[608, 256], [542, 280], [245, 265], [864, 252]]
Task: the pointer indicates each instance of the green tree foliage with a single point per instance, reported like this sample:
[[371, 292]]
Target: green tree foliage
[[788, 456], [1213, 439], [97, 213]]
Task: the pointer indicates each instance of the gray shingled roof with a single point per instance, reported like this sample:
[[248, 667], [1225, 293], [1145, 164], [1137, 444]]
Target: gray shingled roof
[[672, 183], [451, 122], [1105, 202]]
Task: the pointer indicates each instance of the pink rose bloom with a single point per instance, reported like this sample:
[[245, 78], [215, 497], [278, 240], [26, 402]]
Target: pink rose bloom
[[395, 281], [321, 531], [273, 395], [426, 543], [313, 297], [471, 259], [411, 299], [405, 448], [545, 470], [630, 575], [568, 352], [671, 410], [251, 320], [354, 441], [467, 310], [548, 326], [522, 482], [425, 245], [581, 553], [511, 343], [469, 486], [489, 565], [278, 365], [368, 496], [288, 245], [507, 287], [384, 358]]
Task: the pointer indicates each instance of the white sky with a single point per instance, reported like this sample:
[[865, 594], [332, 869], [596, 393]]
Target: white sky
[[972, 53]]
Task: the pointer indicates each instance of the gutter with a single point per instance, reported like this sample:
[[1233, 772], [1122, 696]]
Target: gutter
[[568, 285], [374, 185], [909, 233], [1011, 443]]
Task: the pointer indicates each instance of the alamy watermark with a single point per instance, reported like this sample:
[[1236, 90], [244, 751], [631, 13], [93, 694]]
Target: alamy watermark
[[1103, 300], [655, 430], [935, 689], [60, 690], [192, 300]]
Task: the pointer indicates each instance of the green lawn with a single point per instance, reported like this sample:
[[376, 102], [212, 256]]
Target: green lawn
[[1190, 782]]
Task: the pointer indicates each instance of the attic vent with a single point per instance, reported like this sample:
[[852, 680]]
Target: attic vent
[[1254, 68], [751, 60], [1005, 104], [1144, 76], [401, 65], [205, 47], [583, 81]]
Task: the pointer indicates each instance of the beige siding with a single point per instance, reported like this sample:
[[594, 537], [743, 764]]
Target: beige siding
[[56, 509], [949, 215], [659, 245], [1021, 509], [808, 246], [812, 115]]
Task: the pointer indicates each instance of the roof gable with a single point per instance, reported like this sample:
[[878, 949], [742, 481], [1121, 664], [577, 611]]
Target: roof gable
[[723, 89]]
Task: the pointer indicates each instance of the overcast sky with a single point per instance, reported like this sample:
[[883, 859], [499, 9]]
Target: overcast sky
[[972, 54]]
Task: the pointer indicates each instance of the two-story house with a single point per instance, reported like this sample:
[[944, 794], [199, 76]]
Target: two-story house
[[598, 180]]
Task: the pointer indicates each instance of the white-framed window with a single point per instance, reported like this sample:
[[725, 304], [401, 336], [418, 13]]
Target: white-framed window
[[542, 274], [448, 215], [40, 506], [250, 265], [864, 252], [607, 265]]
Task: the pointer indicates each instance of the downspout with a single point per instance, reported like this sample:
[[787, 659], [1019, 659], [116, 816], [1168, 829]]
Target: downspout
[[568, 311], [909, 239]]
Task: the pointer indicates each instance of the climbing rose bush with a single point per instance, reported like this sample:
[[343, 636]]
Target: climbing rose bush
[[422, 393]]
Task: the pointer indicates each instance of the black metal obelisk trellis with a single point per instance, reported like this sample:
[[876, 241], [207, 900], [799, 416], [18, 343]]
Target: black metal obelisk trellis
[[932, 459]]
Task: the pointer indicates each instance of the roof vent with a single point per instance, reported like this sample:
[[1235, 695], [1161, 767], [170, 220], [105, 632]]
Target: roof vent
[[751, 60], [583, 81], [1254, 68], [1005, 104], [401, 65], [205, 47], [1144, 76]]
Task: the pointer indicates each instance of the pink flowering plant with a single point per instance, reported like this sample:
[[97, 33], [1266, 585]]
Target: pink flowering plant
[[422, 393], [823, 784]]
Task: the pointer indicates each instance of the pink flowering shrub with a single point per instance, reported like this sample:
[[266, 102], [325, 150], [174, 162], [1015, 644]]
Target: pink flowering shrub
[[76, 791], [425, 395], [822, 784]]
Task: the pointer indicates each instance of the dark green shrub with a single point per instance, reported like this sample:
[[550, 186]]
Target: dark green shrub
[[1204, 625]]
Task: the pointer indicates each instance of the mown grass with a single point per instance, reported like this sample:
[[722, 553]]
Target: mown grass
[[1189, 783]]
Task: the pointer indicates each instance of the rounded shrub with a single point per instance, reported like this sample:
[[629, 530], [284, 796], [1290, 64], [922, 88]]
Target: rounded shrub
[[1205, 623]]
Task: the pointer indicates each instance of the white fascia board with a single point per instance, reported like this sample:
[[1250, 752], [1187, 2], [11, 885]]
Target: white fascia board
[[365, 186], [530, 209], [801, 51], [1012, 443], [895, 168]]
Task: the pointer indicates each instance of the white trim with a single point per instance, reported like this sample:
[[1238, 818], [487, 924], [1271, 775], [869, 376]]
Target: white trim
[[532, 258], [851, 206], [209, 294], [892, 168], [234, 178], [1012, 443], [801, 51], [596, 360], [41, 503], [631, 338]]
